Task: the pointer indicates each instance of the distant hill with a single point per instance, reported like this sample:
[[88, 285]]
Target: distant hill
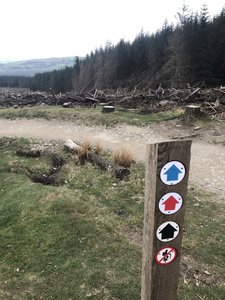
[[33, 66]]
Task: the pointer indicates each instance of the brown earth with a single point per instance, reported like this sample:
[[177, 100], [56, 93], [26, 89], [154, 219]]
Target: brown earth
[[207, 171]]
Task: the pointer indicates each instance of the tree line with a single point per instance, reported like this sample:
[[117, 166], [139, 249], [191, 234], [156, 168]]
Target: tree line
[[190, 52]]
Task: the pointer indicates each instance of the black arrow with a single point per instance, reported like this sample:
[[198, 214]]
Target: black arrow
[[167, 232]]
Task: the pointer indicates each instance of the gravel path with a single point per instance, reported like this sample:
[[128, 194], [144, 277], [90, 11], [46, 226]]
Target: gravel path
[[207, 162]]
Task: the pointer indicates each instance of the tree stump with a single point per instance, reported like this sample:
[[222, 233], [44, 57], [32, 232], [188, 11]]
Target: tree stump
[[67, 104], [191, 112], [108, 109]]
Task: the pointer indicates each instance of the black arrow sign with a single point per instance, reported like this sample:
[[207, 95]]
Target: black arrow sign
[[167, 232]]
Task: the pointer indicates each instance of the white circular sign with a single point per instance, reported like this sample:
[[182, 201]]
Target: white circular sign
[[165, 256], [167, 231], [172, 173], [170, 203]]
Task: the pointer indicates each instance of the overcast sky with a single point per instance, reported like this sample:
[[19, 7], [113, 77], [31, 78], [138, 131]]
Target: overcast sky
[[58, 28]]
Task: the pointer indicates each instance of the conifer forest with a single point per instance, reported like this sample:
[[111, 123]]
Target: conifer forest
[[188, 53]]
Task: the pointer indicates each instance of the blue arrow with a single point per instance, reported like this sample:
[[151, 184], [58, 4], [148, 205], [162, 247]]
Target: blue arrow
[[172, 173]]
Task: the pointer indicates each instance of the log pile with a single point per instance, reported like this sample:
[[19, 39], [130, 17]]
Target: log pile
[[21, 97], [212, 101], [207, 98]]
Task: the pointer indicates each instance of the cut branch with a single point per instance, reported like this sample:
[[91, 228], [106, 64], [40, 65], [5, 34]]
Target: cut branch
[[192, 94]]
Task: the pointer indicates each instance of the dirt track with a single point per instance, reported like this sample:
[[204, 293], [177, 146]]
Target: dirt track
[[207, 162]]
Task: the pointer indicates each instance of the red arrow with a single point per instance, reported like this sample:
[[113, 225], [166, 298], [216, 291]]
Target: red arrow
[[170, 203]]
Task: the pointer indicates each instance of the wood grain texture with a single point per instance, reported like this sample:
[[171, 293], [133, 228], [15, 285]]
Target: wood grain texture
[[160, 282], [149, 211]]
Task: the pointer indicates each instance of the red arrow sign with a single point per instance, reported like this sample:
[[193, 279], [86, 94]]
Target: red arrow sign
[[170, 203]]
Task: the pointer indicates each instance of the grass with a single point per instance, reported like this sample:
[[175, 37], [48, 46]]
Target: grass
[[204, 240], [89, 116], [206, 227], [82, 239], [63, 242]]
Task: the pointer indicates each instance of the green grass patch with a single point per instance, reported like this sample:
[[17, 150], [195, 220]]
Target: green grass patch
[[204, 237], [64, 242], [90, 116], [81, 240], [204, 121], [203, 243]]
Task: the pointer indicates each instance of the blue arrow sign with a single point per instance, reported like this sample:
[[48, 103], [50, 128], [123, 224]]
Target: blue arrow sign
[[172, 173]]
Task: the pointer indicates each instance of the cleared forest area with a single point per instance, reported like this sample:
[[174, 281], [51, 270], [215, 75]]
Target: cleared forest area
[[208, 102]]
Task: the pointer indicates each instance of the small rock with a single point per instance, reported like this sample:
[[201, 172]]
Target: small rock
[[207, 273]]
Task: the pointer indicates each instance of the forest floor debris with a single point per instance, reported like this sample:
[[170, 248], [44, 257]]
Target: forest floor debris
[[212, 101]]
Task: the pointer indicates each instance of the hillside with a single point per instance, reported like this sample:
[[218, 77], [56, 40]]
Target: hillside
[[33, 66]]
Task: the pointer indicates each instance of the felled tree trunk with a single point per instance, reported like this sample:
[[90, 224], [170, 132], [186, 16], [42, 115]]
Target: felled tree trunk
[[105, 164], [119, 171], [71, 146]]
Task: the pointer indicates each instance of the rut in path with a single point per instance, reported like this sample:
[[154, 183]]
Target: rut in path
[[207, 160]]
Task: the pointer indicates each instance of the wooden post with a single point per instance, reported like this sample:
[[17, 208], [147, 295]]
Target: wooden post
[[167, 171]]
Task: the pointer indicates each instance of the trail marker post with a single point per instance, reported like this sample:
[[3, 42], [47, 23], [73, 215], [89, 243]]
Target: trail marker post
[[167, 170]]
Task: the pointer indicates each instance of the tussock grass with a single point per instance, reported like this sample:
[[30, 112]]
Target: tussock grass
[[98, 148], [83, 152], [123, 157]]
